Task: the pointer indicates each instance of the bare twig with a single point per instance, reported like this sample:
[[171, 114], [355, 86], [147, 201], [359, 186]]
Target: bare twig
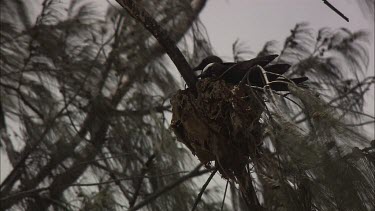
[[8, 182], [156, 109], [203, 189], [193, 173], [336, 10], [140, 180], [248, 191], [22, 194], [73, 172], [122, 179], [225, 193], [31, 192], [361, 124]]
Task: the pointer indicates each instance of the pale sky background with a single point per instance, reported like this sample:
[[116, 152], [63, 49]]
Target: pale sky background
[[258, 21]]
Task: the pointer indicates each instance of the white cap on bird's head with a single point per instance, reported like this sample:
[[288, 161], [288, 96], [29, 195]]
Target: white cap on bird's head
[[206, 61]]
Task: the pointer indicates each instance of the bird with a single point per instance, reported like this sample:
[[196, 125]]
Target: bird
[[248, 71]]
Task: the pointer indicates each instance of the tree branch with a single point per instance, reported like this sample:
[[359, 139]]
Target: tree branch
[[162, 36], [89, 154], [140, 180], [169, 187], [203, 189]]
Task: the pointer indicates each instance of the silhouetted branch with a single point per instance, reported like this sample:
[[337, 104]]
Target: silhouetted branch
[[140, 180], [203, 189], [336, 10], [225, 193], [29, 193], [162, 36], [169, 187]]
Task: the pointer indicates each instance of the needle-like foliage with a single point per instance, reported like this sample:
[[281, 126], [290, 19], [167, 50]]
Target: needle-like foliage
[[84, 93], [85, 107], [316, 156]]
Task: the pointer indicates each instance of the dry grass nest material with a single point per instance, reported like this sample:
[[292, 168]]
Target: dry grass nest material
[[219, 122]]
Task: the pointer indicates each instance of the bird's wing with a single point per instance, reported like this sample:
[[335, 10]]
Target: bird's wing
[[282, 84], [262, 61], [274, 71], [299, 80]]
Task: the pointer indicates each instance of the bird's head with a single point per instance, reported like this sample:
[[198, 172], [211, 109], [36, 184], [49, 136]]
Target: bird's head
[[207, 61]]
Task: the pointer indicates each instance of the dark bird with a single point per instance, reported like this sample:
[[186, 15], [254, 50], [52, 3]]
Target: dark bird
[[248, 71]]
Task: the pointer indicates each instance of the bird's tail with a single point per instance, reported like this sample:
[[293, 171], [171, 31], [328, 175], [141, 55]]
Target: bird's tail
[[282, 84]]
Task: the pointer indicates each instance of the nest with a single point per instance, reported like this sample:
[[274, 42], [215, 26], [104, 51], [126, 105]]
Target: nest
[[219, 122]]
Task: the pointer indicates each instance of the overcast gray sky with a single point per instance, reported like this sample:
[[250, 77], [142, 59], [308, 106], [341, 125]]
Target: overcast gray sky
[[258, 21]]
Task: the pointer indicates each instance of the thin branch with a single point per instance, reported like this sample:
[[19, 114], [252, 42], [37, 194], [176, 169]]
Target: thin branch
[[225, 193], [22, 194], [13, 176], [157, 109], [113, 176], [203, 189], [193, 173], [73, 172], [367, 81], [353, 111], [32, 192], [24, 100], [139, 182], [361, 124], [336, 10], [106, 158], [122, 179]]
